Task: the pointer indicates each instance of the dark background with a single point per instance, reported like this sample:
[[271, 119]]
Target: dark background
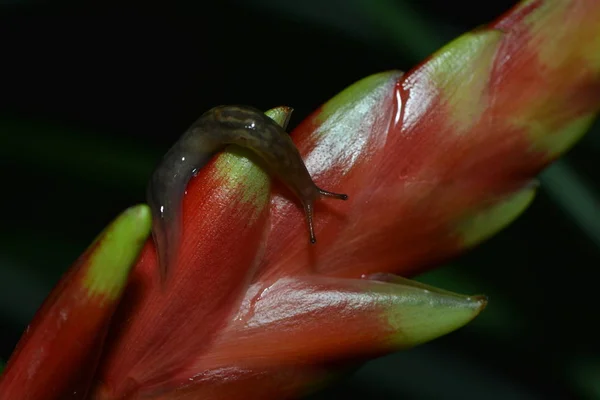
[[90, 99]]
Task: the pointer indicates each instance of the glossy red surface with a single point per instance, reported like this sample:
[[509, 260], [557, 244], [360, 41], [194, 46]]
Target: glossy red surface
[[417, 154], [254, 311]]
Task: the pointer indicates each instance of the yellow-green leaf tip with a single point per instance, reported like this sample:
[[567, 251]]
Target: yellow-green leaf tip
[[115, 252], [359, 97], [484, 224], [237, 172], [422, 313], [555, 142], [463, 86], [280, 114]]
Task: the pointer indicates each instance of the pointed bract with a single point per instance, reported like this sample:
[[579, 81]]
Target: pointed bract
[[433, 161], [57, 356]]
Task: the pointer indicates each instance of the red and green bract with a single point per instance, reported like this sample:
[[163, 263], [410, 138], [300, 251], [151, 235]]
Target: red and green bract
[[434, 161]]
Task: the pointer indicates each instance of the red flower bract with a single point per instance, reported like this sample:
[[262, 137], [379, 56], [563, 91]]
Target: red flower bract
[[422, 153], [434, 162], [424, 157]]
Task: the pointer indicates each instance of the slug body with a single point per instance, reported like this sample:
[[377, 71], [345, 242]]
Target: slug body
[[223, 125]]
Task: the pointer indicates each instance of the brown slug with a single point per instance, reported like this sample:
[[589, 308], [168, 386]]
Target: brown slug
[[223, 125]]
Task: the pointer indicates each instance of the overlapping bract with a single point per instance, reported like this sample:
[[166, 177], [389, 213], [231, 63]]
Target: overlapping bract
[[434, 161]]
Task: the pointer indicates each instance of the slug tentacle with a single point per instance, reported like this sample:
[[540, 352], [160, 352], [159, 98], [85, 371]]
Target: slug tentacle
[[339, 196], [241, 125]]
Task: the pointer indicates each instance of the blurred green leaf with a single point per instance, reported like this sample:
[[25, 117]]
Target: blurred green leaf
[[585, 375], [575, 197], [111, 162], [409, 30]]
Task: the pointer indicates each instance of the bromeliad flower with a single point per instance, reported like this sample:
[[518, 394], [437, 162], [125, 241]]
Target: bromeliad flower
[[434, 161]]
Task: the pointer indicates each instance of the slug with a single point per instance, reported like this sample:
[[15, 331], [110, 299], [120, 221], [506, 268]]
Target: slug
[[223, 125]]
